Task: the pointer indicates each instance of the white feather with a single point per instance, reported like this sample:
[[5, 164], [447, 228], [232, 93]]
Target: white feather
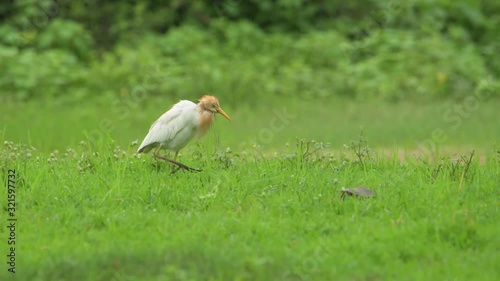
[[174, 129]]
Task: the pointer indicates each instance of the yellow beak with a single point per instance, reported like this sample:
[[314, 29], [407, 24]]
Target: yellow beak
[[223, 113]]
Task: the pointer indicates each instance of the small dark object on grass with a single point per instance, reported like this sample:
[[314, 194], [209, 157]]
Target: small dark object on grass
[[357, 192]]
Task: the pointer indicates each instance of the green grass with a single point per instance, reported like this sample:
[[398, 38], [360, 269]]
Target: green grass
[[85, 216], [101, 212], [50, 126]]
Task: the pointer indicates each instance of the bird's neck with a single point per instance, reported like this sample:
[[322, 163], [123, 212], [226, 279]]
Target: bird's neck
[[206, 119]]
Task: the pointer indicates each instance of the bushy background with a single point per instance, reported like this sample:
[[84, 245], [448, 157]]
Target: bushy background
[[389, 50]]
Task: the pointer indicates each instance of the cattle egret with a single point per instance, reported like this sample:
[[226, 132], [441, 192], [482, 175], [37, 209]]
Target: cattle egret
[[176, 127]]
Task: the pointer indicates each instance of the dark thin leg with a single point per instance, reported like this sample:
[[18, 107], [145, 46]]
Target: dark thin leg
[[175, 168], [179, 165]]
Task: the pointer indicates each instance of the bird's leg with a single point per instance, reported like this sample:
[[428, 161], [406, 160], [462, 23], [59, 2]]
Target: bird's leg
[[179, 165], [174, 167]]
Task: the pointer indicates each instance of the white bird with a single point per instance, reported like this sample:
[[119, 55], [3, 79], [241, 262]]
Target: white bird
[[176, 127]]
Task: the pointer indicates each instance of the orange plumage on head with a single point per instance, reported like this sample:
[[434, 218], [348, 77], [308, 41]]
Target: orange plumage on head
[[206, 99]]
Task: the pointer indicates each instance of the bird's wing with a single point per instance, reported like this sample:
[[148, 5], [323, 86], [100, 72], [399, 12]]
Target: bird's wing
[[168, 125]]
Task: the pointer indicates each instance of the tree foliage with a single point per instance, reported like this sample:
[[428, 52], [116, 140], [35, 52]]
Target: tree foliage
[[388, 50]]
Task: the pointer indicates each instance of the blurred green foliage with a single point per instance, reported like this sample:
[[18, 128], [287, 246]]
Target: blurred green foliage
[[389, 50]]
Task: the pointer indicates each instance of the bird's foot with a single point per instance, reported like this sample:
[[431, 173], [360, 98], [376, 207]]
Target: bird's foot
[[176, 165], [185, 168]]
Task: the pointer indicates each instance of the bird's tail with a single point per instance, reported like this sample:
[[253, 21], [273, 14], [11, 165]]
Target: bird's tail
[[145, 149]]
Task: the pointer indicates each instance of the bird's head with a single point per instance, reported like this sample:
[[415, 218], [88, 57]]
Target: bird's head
[[211, 104]]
